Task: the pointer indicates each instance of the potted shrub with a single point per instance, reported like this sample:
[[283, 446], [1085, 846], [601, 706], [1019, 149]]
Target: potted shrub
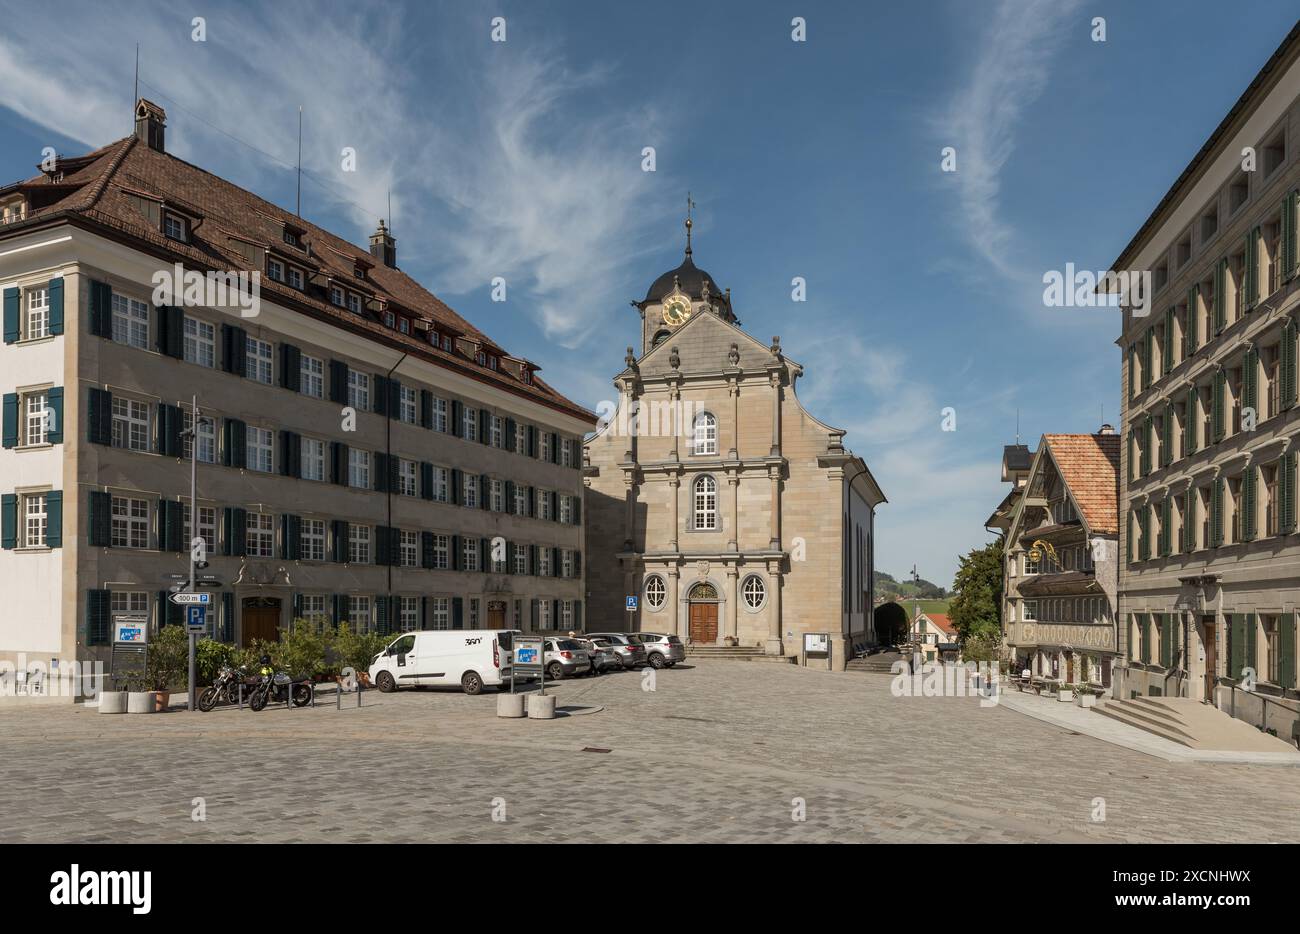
[[166, 665], [138, 697], [1065, 693], [1086, 696]]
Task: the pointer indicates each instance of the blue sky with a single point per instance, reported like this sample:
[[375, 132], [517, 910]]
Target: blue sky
[[818, 159]]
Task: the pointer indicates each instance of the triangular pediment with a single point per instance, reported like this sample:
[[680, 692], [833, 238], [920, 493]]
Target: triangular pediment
[[703, 346]]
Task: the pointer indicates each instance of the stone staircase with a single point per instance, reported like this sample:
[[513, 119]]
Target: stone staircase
[[1193, 724], [881, 662], [733, 653]]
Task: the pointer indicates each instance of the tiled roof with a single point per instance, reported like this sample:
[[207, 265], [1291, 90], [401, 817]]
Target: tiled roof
[[942, 621], [100, 186], [1089, 465]]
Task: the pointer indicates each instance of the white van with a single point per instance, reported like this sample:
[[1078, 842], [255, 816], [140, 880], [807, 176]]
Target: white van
[[470, 658]]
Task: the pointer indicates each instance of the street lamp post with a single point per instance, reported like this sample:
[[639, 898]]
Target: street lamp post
[[197, 544]]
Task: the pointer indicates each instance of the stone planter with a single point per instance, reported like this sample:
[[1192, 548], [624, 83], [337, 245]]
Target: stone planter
[[511, 705], [140, 702], [1086, 699], [1064, 695], [112, 701], [541, 706]]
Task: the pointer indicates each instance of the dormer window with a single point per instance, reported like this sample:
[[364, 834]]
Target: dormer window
[[354, 303], [291, 237], [404, 325], [446, 342], [390, 319], [359, 271], [12, 212], [480, 358], [295, 278], [527, 376], [275, 270], [492, 363], [336, 296], [174, 228]]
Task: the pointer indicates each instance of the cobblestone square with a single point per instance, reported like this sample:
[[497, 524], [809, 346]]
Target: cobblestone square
[[716, 753]]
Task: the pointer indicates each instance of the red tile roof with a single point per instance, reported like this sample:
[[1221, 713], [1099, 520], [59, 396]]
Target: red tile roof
[[97, 188], [1089, 465], [942, 621]]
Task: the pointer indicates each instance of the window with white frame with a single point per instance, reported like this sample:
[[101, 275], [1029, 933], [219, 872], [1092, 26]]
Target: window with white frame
[[439, 414], [521, 500], [1032, 562], [544, 445], [274, 270], [295, 277], [544, 562], [441, 554], [497, 489], [35, 417], [566, 508], [358, 469], [130, 322], [359, 390], [498, 431], [543, 498], [314, 613], [566, 453], [440, 484], [408, 483], [261, 535], [521, 560], [130, 522], [173, 227], [312, 458], [469, 490], [130, 424], [408, 405], [354, 303], [257, 360], [521, 438], [439, 612], [566, 562], [261, 450], [207, 526], [469, 423], [128, 603], [473, 612], [656, 592], [358, 544], [35, 520], [336, 296], [469, 554], [311, 379], [706, 503], [1029, 610], [36, 317], [408, 548], [408, 613], [207, 435], [754, 592], [359, 613], [543, 614], [311, 540], [200, 344], [706, 434]]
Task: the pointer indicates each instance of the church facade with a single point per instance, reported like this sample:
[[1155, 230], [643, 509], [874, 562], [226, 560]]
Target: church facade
[[730, 513]]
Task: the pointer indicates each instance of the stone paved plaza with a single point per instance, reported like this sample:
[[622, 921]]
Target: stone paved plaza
[[716, 753]]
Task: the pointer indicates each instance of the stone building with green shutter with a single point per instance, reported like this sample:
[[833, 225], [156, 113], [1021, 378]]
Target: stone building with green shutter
[[364, 454], [1210, 571]]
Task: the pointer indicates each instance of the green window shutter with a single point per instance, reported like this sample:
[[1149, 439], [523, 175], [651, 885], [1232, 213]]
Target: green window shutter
[[234, 347], [338, 382], [1217, 420], [1251, 276], [1167, 350], [1144, 542], [99, 520], [1216, 513], [8, 521], [101, 309], [98, 604], [339, 529], [1189, 522], [1144, 622], [11, 419], [1148, 342], [1288, 492], [290, 367], [54, 400], [1288, 368], [1250, 381], [426, 408], [54, 518], [1189, 424], [1248, 481], [1167, 436], [1286, 650], [1166, 640], [1190, 339], [1252, 659], [1147, 437], [99, 417], [12, 300], [55, 292], [235, 448], [1132, 376], [1166, 526], [457, 612], [1220, 295]]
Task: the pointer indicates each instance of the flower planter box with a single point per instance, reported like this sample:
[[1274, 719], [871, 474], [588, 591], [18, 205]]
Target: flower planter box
[[1086, 699], [1064, 695]]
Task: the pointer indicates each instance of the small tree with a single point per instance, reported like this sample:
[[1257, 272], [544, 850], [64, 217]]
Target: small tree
[[167, 659], [978, 592]]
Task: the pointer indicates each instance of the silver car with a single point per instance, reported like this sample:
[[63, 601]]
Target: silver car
[[630, 652], [602, 654], [662, 651], [565, 658]]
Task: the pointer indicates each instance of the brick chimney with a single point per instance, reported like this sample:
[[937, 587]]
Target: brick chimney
[[151, 125], [383, 247]]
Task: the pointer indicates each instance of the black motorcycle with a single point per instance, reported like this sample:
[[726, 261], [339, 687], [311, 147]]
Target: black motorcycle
[[225, 689], [278, 686]]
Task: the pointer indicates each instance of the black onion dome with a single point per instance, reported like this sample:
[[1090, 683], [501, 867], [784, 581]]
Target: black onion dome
[[688, 277]]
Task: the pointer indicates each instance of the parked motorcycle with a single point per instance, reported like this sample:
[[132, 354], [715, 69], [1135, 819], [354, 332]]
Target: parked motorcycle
[[277, 686], [225, 689]]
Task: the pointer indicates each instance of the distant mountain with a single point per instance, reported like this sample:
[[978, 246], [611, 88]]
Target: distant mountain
[[889, 585]]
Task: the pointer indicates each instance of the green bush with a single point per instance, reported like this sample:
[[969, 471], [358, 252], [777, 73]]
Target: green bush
[[209, 656], [167, 660], [301, 652]]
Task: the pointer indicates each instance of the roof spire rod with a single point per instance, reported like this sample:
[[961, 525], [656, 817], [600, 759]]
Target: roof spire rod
[[689, 204]]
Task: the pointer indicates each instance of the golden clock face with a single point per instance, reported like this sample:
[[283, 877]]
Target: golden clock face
[[676, 311]]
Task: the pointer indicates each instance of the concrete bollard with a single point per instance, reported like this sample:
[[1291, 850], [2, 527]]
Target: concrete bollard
[[139, 702], [112, 702], [541, 706], [510, 705]]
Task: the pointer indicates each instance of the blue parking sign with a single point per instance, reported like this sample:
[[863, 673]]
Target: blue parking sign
[[196, 617], [631, 603]]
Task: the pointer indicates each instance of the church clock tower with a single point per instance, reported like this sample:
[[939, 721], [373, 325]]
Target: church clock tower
[[678, 295]]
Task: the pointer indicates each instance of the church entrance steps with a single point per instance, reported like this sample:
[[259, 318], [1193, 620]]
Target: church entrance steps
[[733, 653], [1190, 723]]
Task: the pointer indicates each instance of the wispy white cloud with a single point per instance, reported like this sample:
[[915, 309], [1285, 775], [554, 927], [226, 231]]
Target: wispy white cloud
[[489, 175], [1009, 73]]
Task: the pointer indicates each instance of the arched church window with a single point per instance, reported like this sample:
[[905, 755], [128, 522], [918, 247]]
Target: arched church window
[[706, 433], [659, 338], [656, 592], [706, 503]]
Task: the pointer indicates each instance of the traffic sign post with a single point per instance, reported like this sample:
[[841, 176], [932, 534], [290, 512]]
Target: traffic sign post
[[191, 599], [631, 604], [196, 617]]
